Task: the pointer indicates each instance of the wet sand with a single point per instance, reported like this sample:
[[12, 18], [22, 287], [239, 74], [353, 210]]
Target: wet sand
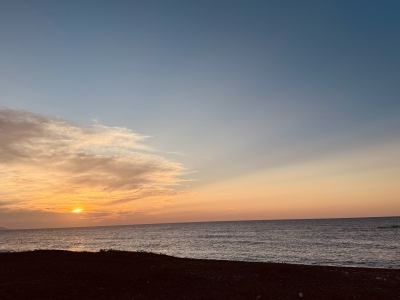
[[47, 274]]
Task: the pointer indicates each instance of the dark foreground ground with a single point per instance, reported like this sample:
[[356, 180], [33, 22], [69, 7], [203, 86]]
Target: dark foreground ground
[[49, 274]]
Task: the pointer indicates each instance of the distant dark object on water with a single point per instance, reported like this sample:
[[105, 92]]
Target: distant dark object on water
[[389, 227]]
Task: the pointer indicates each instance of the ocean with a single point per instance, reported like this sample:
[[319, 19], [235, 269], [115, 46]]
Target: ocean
[[361, 242]]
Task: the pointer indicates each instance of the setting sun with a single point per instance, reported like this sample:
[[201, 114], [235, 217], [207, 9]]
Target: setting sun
[[77, 210]]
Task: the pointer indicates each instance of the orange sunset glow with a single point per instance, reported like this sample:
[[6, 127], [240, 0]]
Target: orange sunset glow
[[120, 179]]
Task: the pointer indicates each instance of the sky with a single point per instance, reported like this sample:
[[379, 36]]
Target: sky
[[131, 112]]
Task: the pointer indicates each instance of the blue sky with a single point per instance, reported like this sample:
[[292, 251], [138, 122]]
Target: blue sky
[[238, 87]]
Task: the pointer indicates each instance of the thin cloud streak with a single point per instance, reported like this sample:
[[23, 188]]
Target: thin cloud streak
[[50, 164]]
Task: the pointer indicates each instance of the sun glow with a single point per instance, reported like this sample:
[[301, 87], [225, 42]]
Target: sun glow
[[77, 210]]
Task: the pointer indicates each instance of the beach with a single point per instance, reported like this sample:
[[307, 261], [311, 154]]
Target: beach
[[110, 274]]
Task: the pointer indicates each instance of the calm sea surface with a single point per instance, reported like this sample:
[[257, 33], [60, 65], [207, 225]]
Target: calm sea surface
[[367, 242]]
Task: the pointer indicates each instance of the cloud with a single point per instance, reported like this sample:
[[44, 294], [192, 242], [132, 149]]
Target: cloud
[[50, 164]]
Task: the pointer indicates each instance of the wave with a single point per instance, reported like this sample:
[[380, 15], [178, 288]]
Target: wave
[[216, 236], [389, 227]]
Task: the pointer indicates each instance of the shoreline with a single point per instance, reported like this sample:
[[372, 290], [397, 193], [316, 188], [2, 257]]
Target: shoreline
[[205, 259], [111, 274]]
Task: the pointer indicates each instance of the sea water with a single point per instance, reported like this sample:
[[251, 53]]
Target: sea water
[[364, 242]]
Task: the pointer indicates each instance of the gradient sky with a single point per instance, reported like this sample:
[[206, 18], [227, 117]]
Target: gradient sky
[[177, 111]]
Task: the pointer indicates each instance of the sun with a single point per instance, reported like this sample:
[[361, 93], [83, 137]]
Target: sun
[[77, 210]]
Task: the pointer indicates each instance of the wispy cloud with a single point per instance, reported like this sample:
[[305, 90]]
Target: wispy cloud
[[51, 164]]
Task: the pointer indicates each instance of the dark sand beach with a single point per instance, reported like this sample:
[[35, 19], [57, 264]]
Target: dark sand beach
[[47, 274]]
